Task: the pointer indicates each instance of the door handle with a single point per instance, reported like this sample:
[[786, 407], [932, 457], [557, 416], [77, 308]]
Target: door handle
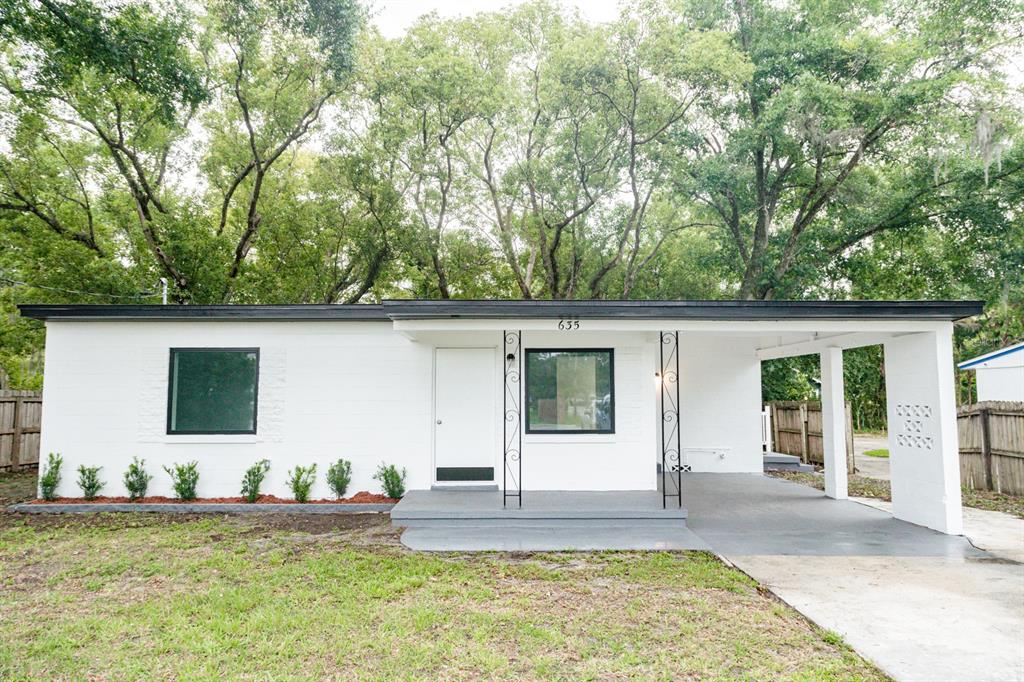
[[438, 421]]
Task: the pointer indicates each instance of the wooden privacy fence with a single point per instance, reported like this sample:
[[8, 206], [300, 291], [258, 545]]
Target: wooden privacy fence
[[796, 430], [992, 446], [20, 413]]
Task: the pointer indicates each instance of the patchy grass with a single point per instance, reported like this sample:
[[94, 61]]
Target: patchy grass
[[862, 486], [993, 501], [880, 452], [859, 486], [135, 596], [17, 486]]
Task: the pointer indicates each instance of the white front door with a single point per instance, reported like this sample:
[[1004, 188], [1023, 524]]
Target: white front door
[[464, 415]]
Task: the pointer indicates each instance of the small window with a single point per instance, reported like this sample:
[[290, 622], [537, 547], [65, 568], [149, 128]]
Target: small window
[[570, 391], [213, 390]]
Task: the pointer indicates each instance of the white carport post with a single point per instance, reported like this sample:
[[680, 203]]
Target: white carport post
[[833, 422], [923, 450]]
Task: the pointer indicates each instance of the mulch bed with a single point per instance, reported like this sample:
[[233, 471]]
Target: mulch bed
[[362, 497]]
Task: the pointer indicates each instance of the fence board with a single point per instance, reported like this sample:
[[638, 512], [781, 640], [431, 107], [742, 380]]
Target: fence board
[[20, 416], [991, 440], [798, 431]]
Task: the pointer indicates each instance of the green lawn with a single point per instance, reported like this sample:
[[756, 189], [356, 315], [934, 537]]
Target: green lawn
[[880, 452], [335, 596], [862, 486]]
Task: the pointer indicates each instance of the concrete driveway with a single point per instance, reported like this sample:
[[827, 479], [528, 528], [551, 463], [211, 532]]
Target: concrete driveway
[[872, 467], [921, 605]]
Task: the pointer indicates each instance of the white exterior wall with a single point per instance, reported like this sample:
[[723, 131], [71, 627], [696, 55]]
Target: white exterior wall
[[364, 392], [1002, 378], [720, 403], [326, 390]]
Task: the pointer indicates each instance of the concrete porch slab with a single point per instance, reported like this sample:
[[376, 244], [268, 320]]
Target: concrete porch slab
[[537, 505]]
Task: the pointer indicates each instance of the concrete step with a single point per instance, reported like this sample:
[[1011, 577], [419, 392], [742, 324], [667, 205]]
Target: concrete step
[[550, 537], [776, 461], [433, 505], [536, 522]]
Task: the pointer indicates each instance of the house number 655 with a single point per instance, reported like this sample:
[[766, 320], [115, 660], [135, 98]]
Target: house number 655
[[567, 325]]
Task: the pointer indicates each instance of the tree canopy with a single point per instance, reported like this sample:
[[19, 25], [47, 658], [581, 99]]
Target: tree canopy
[[285, 151]]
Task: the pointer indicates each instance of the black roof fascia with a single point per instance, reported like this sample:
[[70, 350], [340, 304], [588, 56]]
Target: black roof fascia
[[354, 312], [426, 310], [683, 310]]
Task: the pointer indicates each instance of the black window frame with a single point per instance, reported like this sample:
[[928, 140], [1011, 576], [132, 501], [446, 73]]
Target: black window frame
[[611, 391], [170, 392]]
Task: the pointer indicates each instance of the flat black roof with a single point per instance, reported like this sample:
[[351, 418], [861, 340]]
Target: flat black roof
[[450, 309]]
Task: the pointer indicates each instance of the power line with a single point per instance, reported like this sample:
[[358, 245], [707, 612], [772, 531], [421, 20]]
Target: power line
[[15, 282]]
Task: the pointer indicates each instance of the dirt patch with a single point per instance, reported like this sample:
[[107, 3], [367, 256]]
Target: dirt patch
[[862, 486], [314, 524], [17, 486], [362, 497]]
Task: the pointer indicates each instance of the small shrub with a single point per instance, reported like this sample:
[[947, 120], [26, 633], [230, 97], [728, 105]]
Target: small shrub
[[50, 478], [253, 479], [391, 480], [89, 481], [300, 480], [184, 478], [136, 480], [339, 475]]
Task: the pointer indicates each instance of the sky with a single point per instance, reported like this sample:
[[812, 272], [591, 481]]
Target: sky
[[393, 17]]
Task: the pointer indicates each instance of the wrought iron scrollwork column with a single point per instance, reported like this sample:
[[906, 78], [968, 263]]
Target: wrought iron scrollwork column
[[671, 439], [512, 475]]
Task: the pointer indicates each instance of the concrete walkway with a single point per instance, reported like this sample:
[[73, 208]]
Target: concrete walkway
[[921, 605]]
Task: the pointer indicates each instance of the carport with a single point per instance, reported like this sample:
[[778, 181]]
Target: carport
[[921, 414]]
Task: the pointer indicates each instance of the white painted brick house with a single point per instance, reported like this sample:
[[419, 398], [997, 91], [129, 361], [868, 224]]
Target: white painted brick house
[[520, 395]]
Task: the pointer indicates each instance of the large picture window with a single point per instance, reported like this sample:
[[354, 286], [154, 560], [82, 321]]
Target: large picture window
[[570, 391], [213, 390]]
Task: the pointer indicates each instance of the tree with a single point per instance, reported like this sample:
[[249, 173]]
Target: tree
[[104, 100], [82, 81], [831, 106], [654, 71], [288, 59], [544, 160]]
